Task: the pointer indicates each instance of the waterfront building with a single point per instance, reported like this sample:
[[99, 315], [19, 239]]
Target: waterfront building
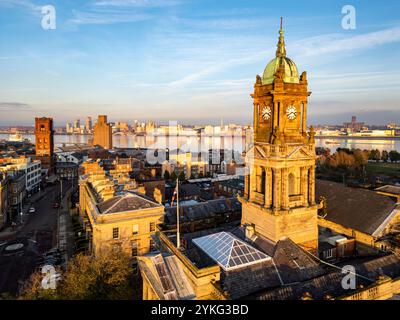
[[44, 143], [102, 135], [353, 126], [88, 124]]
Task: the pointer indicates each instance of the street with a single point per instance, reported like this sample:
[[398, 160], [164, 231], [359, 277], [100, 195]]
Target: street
[[37, 234]]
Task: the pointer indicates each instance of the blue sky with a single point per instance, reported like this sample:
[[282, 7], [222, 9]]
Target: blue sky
[[194, 61]]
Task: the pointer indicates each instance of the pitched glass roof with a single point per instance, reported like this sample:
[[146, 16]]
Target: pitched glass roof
[[229, 251]]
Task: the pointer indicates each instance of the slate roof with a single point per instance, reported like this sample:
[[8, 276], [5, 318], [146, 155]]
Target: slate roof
[[202, 210], [359, 209], [126, 202], [330, 283]]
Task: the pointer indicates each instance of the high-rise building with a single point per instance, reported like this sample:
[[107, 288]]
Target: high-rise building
[[68, 127], [102, 135], [88, 124], [279, 198], [77, 124], [44, 142]]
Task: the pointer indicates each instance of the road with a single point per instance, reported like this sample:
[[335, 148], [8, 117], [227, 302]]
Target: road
[[38, 234]]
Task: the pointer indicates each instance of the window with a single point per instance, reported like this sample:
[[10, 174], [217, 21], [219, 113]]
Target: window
[[134, 249], [115, 233], [152, 226], [152, 245], [135, 229], [291, 184], [328, 253]]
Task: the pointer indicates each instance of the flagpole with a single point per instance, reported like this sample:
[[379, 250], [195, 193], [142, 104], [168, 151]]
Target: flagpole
[[178, 235]]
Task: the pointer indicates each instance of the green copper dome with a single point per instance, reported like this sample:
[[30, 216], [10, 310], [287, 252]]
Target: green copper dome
[[282, 63], [290, 74]]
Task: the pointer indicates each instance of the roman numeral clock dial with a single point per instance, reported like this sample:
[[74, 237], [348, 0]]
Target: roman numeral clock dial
[[291, 112], [266, 113]]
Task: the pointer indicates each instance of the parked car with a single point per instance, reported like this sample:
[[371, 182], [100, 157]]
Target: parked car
[[32, 210], [56, 205]]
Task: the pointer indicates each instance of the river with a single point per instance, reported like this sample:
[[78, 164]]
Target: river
[[194, 143]]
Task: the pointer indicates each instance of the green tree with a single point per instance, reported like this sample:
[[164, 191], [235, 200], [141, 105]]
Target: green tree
[[173, 176], [375, 155], [167, 176], [106, 276], [394, 156], [182, 176], [384, 156]]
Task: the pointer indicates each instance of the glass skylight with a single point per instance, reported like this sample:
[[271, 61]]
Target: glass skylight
[[229, 251]]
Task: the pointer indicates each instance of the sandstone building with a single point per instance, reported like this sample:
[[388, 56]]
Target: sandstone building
[[102, 134], [44, 143], [272, 253]]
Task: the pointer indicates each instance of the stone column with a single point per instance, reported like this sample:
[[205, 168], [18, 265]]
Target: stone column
[[267, 187], [276, 115], [277, 188], [252, 184], [285, 188], [246, 185], [304, 120], [255, 122], [311, 185], [304, 184]]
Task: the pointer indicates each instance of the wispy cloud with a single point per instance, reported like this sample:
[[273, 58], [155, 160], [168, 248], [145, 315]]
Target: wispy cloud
[[105, 17], [26, 4], [334, 43], [137, 3], [14, 106]]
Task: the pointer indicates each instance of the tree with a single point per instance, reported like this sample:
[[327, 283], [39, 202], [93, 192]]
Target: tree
[[394, 156], [167, 176], [375, 155], [173, 176], [182, 176], [106, 276], [385, 156], [360, 158]]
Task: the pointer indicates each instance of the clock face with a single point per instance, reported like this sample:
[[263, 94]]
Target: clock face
[[266, 113], [291, 112]]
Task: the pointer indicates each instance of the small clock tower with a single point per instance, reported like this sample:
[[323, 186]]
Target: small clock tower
[[279, 198]]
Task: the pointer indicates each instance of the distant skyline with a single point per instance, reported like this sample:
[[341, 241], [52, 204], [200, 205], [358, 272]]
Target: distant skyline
[[193, 61]]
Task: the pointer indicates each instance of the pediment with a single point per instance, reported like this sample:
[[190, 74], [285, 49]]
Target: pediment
[[300, 152]]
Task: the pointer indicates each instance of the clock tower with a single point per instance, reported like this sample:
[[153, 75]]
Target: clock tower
[[279, 197]]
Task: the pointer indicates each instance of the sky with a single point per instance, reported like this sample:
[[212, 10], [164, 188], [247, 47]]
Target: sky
[[193, 61]]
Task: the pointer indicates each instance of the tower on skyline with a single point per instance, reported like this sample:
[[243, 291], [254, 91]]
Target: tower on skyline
[[44, 142], [102, 134], [279, 198]]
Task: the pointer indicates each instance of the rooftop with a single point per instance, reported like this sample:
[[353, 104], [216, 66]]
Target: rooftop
[[359, 209], [128, 201]]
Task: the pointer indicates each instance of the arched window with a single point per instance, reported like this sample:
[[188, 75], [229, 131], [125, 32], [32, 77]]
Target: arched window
[[292, 189], [263, 175]]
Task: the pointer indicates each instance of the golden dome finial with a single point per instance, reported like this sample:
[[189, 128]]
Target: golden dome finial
[[281, 51]]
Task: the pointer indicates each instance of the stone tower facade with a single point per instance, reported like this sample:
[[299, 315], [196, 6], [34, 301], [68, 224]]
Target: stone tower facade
[[44, 142], [279, 198], [102, 134]]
